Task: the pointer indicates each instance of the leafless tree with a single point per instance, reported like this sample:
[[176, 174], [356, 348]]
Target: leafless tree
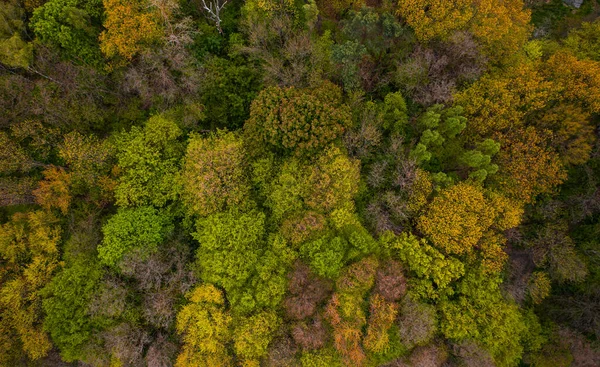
[[214, 11]]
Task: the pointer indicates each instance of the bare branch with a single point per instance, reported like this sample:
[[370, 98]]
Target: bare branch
[[214, 11]]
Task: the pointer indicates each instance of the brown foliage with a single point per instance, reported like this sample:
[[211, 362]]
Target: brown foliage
[[307, 291], [417, 322], [472, 354], [300, 229], [127, 343], [390, 282], [282, 353], [161, 352], [310, 335], [433, 74]]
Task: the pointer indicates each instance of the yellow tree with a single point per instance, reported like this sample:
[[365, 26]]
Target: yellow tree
[[28, 258], [501, 26], [457, 219], [502, 100], [130, 28], [205, 326]]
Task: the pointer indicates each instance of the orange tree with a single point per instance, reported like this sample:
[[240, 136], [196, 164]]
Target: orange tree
[[500, 26], [129, 28]]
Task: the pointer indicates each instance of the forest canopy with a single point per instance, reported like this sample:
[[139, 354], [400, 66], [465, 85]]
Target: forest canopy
[[299, 183]]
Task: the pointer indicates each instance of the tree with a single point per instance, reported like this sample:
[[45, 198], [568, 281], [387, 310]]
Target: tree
[[206, 329], [213, 10], [345, 312], [501, 101], [382, 314], [235, 254], [502, 26], [148, 161], [527, 167], [306, 292], [214, 177], [429, 265], [252, 336], [55, 190], [14, 50], [71, 26], [480, 313], [140, 229], [66, 302], [298, 122], [129, 28], [417, 323], [29, 258], [456, 220], [584, 41], [87, 157], [433, 73]]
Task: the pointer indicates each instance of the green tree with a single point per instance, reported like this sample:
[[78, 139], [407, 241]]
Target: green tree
[[480, 312], [235, 253], [66, 302], [72, 26], [148, 161], [140, 229]]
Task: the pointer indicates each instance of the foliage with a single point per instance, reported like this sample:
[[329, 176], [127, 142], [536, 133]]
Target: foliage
[[456, 219], [425, 261], [401, 183], [29, 253], [140, 229], [206, 328], [213, 174], [584, 41], [298, 122], [501, 26], [66, 303], [148, 159], [440, 145], [253, 334], [528, 167], [71, 25], [235, 254], [14, 50], [129, 28], [54, 190], [481, 313], [228, 89]]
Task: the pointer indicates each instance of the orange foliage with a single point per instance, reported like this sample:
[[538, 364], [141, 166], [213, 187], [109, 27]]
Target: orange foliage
[[573, 133], [129, 28], [577, 81], [54, 190], [381, 318], [500, 26], [457, 218], [501, 101], [528, 167]]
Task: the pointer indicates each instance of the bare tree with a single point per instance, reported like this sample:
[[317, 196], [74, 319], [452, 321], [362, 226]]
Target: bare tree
[[214, 11]]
